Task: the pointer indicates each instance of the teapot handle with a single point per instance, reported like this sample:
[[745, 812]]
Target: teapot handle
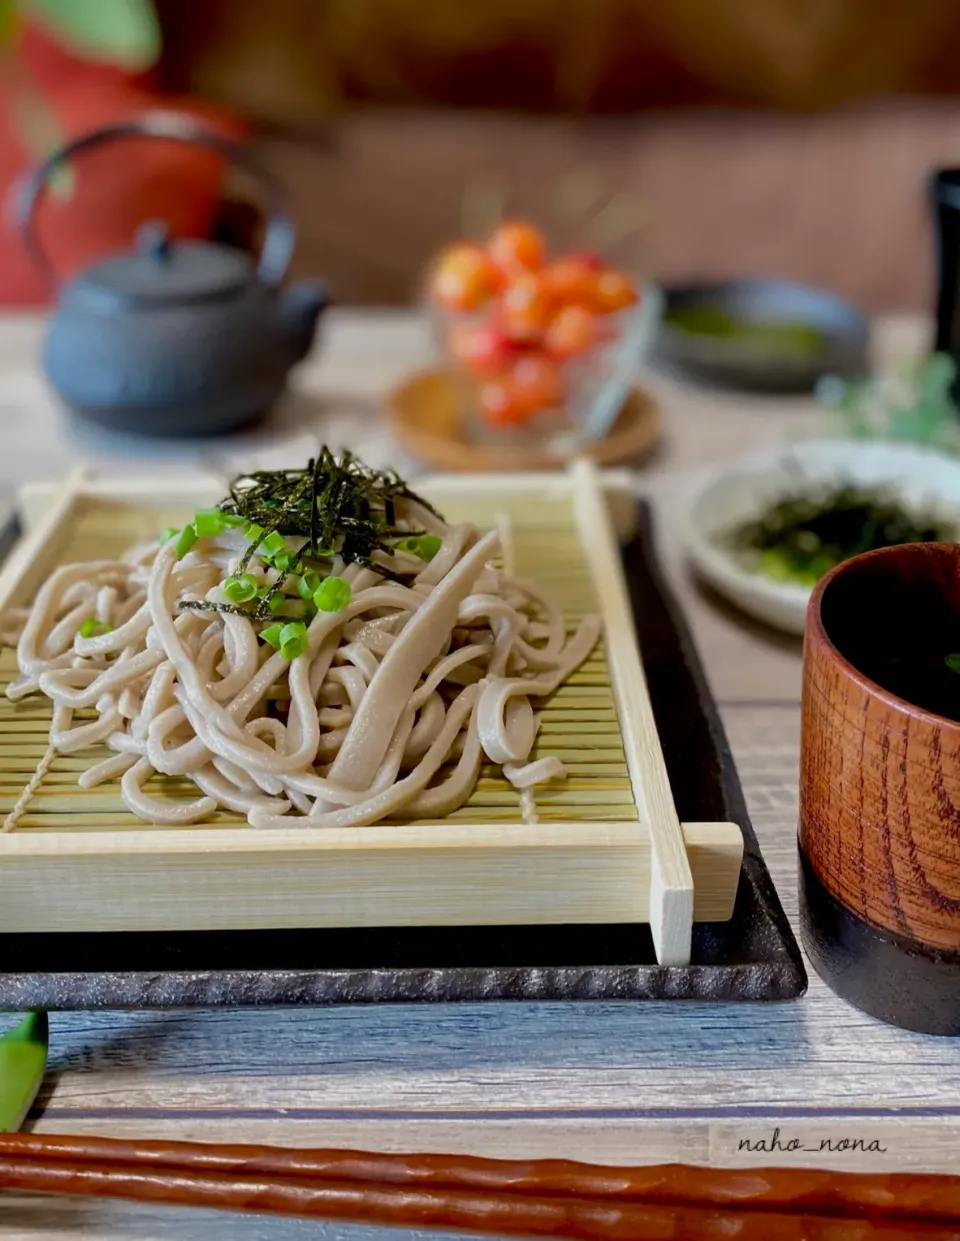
[[279, 236]]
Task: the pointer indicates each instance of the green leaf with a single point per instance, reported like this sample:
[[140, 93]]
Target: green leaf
[[23, 1059], [124, 33]]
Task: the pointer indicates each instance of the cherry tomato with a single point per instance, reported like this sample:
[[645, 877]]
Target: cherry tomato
[[525, 309], [612, 291], [464, 278], [516, 247], [569, 280], [481, 348], [537, 382], [573, 330], [500, 403]]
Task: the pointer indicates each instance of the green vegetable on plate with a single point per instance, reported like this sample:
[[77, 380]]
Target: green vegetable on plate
[[806, 533], [779, 337], [332, 595], [240, 589], [93, 628], [334, 508], [185, 540]]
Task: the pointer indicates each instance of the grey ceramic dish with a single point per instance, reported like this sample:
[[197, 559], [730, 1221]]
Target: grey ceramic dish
[[754, 956], [841, 347]]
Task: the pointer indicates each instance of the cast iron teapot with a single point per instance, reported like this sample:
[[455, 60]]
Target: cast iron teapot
[[175, 337]]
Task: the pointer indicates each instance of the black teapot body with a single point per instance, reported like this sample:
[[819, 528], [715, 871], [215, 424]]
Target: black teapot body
[[179, 338]]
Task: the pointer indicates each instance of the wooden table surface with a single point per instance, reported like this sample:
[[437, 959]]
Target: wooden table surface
[[621, 1083]]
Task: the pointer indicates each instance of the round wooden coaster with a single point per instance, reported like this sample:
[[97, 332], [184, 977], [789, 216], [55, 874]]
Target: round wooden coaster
[[424, 417]]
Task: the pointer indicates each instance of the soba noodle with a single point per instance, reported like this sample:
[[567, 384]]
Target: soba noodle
[[387, 708]]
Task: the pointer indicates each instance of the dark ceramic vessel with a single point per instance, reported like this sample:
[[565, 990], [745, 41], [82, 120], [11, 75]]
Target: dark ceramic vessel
[[843, 333], [880, 785], [174, 337]]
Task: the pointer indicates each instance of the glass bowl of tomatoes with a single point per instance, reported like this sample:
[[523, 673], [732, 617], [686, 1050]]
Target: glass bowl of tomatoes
[[542, 350]]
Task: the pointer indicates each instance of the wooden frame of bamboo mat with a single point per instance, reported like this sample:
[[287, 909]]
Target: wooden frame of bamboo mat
[[425, 418], [606, 844]]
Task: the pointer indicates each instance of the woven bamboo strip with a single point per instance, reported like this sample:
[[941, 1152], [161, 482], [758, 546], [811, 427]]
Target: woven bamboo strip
[[597, 868]]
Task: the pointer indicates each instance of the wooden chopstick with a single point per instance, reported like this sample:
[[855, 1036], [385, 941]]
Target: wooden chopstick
[[507, 1198], [793, 1189], [502, 1215]]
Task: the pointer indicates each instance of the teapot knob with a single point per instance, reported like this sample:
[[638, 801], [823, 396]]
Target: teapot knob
[[153, 239]]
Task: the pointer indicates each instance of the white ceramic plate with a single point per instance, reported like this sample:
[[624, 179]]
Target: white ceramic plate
[[926, 480]]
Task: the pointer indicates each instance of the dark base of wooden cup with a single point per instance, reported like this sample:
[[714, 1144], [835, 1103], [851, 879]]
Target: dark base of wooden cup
[[892, 977]]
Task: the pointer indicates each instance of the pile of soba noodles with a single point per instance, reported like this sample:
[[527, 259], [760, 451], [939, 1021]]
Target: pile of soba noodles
[[321, 649]]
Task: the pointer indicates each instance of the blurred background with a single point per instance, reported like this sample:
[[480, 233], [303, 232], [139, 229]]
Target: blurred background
[[783, 138]]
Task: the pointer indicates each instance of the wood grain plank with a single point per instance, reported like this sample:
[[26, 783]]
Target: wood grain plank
[[612, 1081]]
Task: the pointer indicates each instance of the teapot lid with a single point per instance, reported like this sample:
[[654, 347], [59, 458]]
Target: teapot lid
[[162, 273]]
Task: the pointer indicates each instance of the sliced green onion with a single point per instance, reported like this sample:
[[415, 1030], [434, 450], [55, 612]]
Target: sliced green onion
[[308, 585], [168, 533], [271, 635], [254, 532], [429, 546], [283, 561], [332, 595], [188, 536], [276, 601], [240, 589], [93, 628], [293, 639], [232, 520], [274, 544], [208, 522], [425, 546]]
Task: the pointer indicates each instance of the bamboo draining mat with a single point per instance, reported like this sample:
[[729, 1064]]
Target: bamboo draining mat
[[583, 857], [579, 722]]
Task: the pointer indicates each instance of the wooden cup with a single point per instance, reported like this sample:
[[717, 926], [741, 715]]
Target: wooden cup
[[880, 785]]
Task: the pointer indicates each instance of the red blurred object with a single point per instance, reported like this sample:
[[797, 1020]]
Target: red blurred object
[[464, 277], [534, 340], [573, 330], [517, 247], [115, 188], [537, 383], [499, 402], [525, 308], [570, 279], [481, 348], [612, 291]]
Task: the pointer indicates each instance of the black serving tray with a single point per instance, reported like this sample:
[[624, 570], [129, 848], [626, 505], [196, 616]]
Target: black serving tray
[[754, 956]]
